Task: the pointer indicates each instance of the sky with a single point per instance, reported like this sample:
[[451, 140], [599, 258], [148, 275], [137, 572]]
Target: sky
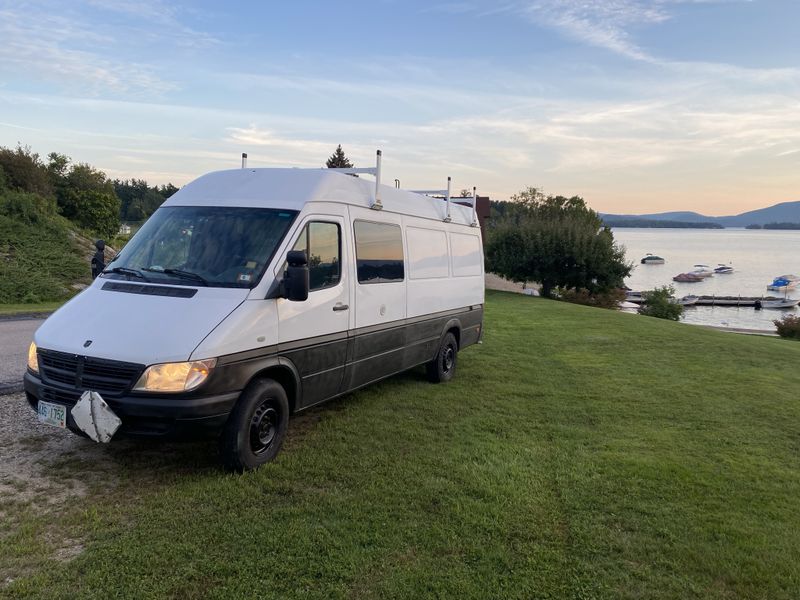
[[638, 106]]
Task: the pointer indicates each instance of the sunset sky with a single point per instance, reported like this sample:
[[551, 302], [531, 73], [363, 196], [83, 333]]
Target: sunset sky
[[636, 105]]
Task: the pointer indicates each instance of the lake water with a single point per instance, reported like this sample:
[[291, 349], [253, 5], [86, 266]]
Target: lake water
[[757, 256]]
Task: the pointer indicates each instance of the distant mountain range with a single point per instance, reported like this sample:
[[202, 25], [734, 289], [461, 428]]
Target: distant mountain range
[[785, 212]]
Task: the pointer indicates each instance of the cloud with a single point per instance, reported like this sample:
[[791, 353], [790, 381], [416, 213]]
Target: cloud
[[166, 17], [604, 24], [52, 48]]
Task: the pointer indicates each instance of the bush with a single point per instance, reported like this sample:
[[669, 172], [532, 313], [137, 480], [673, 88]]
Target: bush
[[660, 304], [788, 327], [28, 208], [609, 299]]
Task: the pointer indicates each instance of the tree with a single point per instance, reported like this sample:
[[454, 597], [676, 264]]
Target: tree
[[87, 197], [167, 190], [57, 166], [94, 209], [558, 242], [338, 160], [659, 303], [25, 171], [138, 199]]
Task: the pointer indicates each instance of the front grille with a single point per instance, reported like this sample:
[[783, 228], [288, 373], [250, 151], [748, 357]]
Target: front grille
[[62, 397], [81, 373]]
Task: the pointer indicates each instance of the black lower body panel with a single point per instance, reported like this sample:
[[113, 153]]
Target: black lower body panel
[[150, 416]]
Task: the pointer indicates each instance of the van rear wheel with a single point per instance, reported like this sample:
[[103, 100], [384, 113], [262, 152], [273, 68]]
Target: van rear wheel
[[443, 367], [256, 427]]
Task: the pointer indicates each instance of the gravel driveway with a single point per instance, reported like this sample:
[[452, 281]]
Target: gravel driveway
[[15, 337]]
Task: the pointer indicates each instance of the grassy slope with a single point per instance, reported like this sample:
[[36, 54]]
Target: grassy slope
[[40, 261], [579, 453]]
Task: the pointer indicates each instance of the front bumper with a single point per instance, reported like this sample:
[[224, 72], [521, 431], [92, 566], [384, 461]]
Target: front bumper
[[173, 416]]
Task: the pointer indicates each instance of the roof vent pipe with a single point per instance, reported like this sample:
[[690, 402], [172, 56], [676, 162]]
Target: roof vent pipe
[[447, 217], [474, 207], [244, 160]]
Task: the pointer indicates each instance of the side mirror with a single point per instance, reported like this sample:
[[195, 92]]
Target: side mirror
[[295, 282]]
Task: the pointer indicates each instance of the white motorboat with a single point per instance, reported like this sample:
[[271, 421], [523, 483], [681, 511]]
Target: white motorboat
[[703, 271], [723, 269], [783, 303]]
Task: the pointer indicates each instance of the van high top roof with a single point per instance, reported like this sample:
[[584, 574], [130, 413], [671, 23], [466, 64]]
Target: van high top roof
[[293, 188]]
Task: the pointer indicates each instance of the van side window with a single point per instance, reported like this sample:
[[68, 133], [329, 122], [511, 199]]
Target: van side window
[[322, 244], [379, 252]]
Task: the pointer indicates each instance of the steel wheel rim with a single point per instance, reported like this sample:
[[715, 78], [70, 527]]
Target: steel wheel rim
[[448, 359], [264, 427]]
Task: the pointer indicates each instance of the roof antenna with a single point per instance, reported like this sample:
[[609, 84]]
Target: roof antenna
[[474, 207], [447, 218], [244, 160], [377, 204]]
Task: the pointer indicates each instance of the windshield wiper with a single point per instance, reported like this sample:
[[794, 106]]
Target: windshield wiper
[[180, 273], [126, 271]]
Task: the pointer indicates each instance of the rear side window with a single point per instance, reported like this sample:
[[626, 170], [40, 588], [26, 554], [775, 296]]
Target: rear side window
[[466, 250], [427, 253], [322, 244], [379, 252]]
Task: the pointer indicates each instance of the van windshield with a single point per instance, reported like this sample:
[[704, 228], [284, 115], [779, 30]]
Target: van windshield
[[203, 245]]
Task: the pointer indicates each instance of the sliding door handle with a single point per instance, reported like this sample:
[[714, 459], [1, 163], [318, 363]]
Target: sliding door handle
[[339, 306]]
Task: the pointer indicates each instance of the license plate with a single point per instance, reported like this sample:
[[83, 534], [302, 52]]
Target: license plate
[[52, 414]]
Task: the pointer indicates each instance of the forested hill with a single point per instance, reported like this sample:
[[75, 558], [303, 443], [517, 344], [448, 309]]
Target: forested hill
[[83, 194], [610, 221], [785, 212], [51, 211]]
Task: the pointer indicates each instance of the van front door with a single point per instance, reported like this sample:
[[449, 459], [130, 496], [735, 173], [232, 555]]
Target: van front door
[[313, 333]]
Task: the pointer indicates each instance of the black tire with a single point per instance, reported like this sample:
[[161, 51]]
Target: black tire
[[256, 427], [442, 368]]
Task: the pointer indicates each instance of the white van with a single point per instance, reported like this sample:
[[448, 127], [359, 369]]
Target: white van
[[252, 294]]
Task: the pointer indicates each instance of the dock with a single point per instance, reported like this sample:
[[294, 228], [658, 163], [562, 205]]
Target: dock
[[636, 298]]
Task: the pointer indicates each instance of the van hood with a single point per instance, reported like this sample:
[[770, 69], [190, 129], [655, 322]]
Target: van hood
[[137, 327]]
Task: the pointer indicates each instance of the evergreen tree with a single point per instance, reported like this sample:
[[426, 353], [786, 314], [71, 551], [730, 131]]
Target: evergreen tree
[[338, 160]]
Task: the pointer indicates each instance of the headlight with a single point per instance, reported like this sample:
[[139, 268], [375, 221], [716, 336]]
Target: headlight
[[175, 377], [33, 358]]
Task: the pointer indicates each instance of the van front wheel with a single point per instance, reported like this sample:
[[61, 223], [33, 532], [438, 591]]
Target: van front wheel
[[255, 429], [443, 367]]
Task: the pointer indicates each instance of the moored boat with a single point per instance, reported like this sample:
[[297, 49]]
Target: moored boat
[[688, 277], [703, 270], [782, 303], [723, 269], [688, 300], [652, 259], [784, 282]]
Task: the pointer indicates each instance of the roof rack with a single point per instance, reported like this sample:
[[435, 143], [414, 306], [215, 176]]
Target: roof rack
[[446, 195], [374, 171]]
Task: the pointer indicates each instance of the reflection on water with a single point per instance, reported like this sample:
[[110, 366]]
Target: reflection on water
[[757, 256]]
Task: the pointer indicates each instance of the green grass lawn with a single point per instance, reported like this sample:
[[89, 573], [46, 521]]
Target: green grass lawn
[[579, 453], [24, 309]]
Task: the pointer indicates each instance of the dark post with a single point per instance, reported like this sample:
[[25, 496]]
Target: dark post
[[99, 258]]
